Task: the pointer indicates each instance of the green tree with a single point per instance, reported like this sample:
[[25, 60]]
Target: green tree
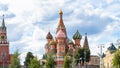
[[67, 61], [82, 56], [28, 57], [50, 62], [15, 61], [116, 59], [44, 56], [34, 63]]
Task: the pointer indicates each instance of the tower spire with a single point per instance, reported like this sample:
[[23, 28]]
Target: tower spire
[[86, 45], [61, 20], [61, 24], [3, 22]]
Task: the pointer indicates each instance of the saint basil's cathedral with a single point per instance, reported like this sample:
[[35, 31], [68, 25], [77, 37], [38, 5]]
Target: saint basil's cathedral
[[61, 45]]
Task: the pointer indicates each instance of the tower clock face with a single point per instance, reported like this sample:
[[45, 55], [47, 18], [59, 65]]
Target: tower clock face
[[2, 37]]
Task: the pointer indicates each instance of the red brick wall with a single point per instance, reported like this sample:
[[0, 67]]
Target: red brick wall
[[5, 50]]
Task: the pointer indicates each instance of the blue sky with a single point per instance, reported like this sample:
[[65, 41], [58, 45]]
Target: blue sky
[[28, 22]]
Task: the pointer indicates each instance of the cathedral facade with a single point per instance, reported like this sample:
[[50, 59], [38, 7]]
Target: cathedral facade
[[4, 46], [60, 46]]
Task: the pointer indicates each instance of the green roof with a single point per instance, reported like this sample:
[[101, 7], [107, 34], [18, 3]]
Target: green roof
[[77, 35], [71, 42]]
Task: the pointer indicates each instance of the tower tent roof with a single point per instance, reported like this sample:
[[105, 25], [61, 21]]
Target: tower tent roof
[[60, 34], [3, 22], [77, 35], [61, 23], [86, 45]]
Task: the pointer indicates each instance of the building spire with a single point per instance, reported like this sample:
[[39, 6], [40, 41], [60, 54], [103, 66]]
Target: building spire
[[86, 45], [61, 20], [61, 25], [3, 22]]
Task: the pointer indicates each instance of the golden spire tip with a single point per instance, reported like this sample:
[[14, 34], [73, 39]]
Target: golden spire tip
[[61, 12]]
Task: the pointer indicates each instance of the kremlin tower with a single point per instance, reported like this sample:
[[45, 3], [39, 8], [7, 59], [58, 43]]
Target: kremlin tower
[[4, 46], [61, 45]]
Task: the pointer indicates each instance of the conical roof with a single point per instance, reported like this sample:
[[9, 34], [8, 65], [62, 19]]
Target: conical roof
[[49, 36], [86, 45], [77, 35], [61, 23], [3, 22]]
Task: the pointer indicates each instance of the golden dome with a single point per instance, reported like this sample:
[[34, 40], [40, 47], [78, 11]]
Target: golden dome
[[61, 12]]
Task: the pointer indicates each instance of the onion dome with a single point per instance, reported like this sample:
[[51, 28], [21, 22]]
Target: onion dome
[[71, 42], [60, 34], [77, 35], [49, 36], [52, 42], [61, 12]]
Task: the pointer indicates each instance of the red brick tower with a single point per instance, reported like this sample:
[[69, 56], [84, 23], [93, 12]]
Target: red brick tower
[[4, 46]]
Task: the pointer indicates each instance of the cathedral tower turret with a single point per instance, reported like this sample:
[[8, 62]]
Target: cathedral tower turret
[[53, 47], [49, 38], [61, 24]]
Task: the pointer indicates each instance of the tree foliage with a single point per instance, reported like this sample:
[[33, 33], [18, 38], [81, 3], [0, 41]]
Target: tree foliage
[[28, 57], [116, 59], [44, 56], [15, 61], [34, 63], [67, 61], [50, 62], [82, 56]]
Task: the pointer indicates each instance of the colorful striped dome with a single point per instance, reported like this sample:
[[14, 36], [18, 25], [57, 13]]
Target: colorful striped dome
[[77, 35], [60, 34]]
